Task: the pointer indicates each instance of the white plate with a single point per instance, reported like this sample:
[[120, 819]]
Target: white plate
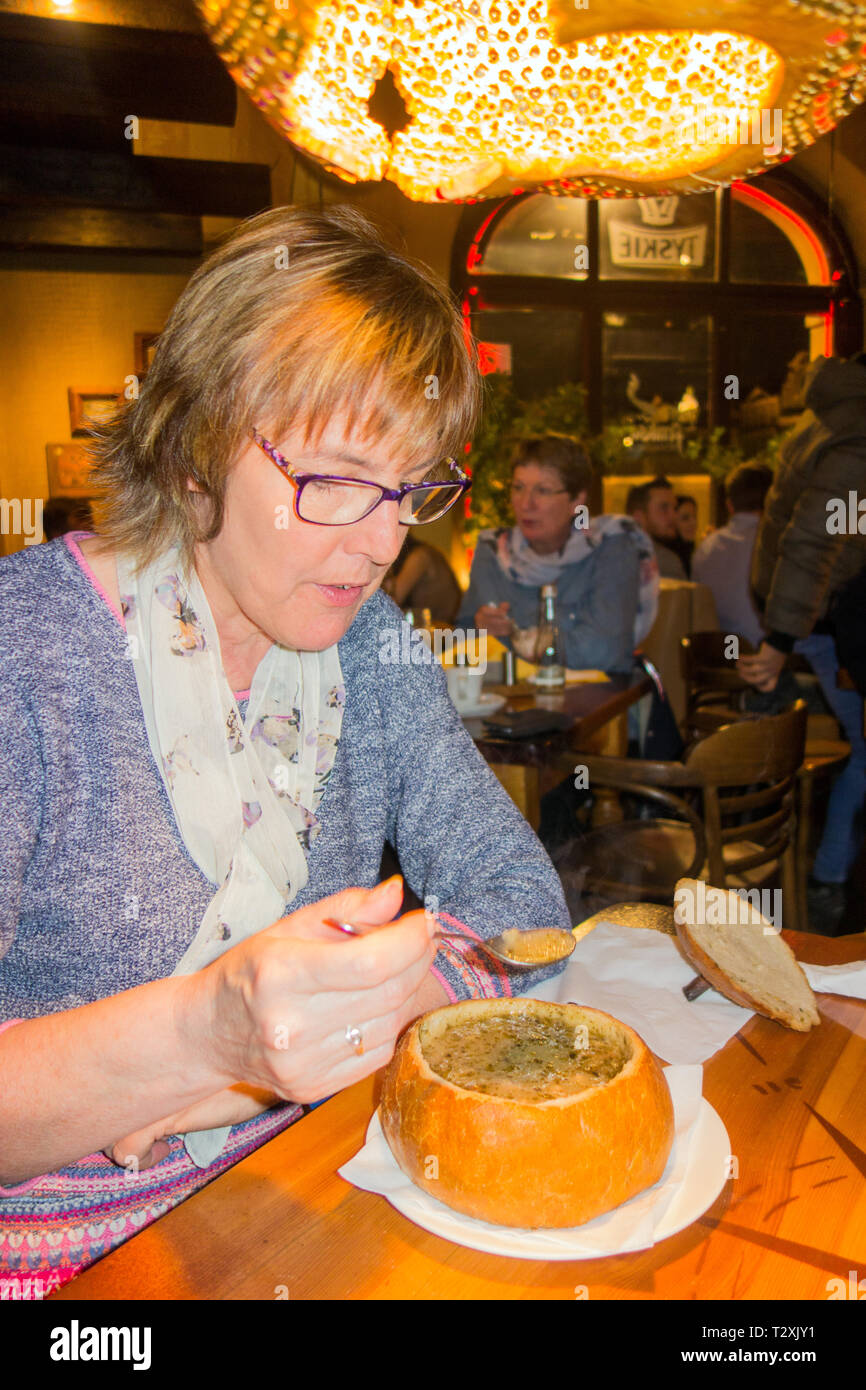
[[488, 704], [703, 1180]]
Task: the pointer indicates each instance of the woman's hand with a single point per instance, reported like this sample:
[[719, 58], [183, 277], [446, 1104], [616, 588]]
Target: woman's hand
[[495, 619], [228, 1107], [277, 1006], [763, 668], [235, 1104], [525, 641]]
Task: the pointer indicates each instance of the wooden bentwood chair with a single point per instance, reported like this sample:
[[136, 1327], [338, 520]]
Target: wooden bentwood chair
[[714, 686], [715, 697], [733, 794]]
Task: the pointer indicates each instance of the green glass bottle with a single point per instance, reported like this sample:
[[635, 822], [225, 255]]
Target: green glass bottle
[[548, 645]]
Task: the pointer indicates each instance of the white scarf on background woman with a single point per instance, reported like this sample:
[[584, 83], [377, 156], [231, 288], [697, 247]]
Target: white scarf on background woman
[[520, 562], [244, 793]]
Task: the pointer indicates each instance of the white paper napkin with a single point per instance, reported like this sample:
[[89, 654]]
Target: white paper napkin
[[838, 979], [637, 975], [629, 1227]]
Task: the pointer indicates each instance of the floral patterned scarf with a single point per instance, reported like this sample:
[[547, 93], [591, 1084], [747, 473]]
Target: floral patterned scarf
[[244, 793]]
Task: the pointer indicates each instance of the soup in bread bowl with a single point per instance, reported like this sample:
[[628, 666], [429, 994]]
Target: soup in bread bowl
[[525, 1113]]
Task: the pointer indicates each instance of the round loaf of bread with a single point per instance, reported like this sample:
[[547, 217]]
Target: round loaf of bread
[[525, 1113]]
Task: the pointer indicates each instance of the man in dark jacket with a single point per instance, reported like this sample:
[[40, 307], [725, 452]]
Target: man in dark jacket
[[809, 547]]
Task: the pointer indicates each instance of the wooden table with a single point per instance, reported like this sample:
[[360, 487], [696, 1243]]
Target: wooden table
[[793, 1218], [527, 767]]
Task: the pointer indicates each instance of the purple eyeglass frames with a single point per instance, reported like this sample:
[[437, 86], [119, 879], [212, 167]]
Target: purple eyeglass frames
[[329, 500]]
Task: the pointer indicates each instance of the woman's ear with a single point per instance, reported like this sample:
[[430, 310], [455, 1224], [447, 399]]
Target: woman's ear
[[581, 499]]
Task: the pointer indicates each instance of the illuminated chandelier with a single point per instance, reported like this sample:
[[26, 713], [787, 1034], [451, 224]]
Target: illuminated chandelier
[[505, 95]]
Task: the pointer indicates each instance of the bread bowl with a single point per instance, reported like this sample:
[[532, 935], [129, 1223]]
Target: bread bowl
[[742, 955], [524, 1113]]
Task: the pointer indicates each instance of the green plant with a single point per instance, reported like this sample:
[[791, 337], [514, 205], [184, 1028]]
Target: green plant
[[561, 411], [712, 455], [614, 451]]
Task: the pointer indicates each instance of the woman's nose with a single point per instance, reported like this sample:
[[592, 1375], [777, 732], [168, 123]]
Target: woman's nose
[[379, 535]]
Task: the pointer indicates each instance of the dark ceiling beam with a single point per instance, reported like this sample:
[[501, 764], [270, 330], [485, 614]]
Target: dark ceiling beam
[[56, 178], [98, 229], [140, 14], [103, 73]]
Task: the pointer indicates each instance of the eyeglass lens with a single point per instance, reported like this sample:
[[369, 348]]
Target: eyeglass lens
[[429, 504], [332, 503]]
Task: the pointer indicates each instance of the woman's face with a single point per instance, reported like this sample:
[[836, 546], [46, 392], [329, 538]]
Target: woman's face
[[687, 521], [269, 572], [543, 507]]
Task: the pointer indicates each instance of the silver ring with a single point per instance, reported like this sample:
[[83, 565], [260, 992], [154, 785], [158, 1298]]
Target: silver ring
[[355, 1039]]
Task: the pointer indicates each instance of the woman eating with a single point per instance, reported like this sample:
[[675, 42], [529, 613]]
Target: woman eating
[[204, 755], [605, 571]]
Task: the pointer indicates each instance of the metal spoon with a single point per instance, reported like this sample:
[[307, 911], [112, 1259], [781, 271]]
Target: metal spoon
[[494, 946]]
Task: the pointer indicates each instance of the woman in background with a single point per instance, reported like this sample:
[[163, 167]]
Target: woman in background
[[423, 578], [605, 570]]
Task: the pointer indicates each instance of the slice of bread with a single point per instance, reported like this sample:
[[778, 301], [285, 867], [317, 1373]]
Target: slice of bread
[[742, 955]]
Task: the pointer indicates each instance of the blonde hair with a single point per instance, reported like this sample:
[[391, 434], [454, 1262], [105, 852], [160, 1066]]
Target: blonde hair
[[297, 314]]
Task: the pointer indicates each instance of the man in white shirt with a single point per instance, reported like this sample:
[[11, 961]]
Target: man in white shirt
[[723, 561]]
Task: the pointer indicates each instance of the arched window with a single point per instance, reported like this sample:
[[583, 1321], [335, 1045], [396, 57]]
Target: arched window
[[702, 308]]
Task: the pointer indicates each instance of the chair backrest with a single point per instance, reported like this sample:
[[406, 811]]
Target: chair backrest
[[750, 767], [708, 660], [710, 670]]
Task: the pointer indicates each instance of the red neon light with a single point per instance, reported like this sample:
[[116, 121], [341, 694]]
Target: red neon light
[[474, 256], [467, 324], [745, 192], [759, 196]]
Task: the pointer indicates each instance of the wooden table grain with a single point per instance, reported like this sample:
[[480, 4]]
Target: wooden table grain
[[283, 1224]]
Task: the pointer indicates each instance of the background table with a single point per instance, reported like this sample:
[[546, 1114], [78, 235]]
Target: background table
[[793, 1218], [528, 767]]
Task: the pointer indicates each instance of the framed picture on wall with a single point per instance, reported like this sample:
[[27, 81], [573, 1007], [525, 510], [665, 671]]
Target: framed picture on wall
[[69, 468], [145, 347], [91, 406]]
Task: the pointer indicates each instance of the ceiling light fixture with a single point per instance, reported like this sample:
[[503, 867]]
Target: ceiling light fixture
[[496, 96]]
